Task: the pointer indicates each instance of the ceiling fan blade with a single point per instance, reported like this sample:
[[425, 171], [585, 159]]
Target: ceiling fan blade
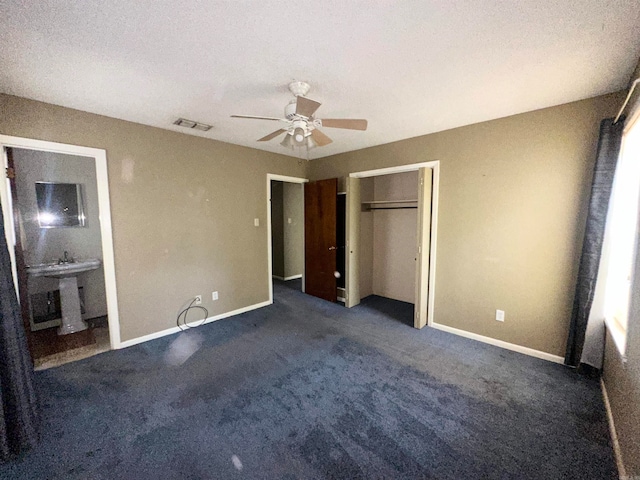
[[254, 117], [306, 107], [349, 123], [320, 138], [272, 135]]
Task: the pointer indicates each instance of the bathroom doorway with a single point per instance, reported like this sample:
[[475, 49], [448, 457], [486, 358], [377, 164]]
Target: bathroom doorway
[[57, 221]]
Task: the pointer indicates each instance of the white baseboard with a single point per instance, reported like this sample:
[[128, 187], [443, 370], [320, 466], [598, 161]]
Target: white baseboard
[[285, 279], [622, 472], [499, 343], [176, 329]]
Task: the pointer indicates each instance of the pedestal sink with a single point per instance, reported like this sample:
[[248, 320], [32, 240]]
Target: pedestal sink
[[67, 275]]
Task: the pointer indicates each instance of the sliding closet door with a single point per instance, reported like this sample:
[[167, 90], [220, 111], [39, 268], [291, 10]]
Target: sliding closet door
[[352, 270], [424, 246], [320, 245]]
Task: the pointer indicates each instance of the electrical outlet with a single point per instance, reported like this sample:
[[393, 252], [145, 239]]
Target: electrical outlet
[[198, 299], [256, 222], [500, 315], [214, 295]]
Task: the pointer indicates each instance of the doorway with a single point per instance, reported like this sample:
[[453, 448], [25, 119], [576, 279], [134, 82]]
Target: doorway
[[57, 223], [409, 269], [285, 219]]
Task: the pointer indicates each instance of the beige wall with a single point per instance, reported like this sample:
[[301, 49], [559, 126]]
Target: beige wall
[[44, 245], [293, 229], [277, 229], [182, 211], [395, 238], [513, 196], [622, 379], [513, 193]]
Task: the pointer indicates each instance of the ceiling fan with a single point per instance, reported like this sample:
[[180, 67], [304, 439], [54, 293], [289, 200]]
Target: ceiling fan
[[301, 126]]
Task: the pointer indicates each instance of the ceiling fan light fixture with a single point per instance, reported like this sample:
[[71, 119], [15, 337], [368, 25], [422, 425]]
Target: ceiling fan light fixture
[[298, 136], [287, 142], [311, 142]]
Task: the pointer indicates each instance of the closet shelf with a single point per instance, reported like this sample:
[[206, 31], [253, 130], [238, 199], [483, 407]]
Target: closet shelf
[[390, 204]]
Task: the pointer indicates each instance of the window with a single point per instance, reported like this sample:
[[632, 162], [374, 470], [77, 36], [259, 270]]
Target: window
[[622, 228]]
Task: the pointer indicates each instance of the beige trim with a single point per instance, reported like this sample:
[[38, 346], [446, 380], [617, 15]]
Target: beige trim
[[622, 472], [422, 248], [104, 207], [351, 296]]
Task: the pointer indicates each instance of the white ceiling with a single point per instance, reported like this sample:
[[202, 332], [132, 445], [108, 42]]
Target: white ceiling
[[409, 67]]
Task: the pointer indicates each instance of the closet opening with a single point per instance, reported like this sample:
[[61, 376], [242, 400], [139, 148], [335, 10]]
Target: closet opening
[[391, 237], [388, 235]]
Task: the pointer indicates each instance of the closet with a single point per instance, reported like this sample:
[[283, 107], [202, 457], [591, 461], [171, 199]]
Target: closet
[[388, 236], [369, 233]]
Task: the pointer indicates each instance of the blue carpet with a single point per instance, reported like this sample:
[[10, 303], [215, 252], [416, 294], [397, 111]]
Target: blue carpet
[[306, 389]]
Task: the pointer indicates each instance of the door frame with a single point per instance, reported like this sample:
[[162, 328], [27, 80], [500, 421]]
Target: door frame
[[435, 167], [99, 156], [279, 178]]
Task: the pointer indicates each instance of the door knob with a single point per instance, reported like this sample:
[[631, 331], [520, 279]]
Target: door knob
[[333, 248]]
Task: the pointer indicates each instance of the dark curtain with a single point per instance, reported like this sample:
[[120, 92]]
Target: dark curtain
[[18, 407], [601, 187]]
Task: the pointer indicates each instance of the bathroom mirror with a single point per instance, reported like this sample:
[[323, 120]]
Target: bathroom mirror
[[60, 205]]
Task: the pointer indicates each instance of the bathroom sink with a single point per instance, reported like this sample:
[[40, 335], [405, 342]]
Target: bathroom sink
[[63, 270], [67, 275]]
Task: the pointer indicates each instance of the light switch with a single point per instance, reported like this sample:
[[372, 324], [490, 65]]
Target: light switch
[[256, 222], [288, 220]]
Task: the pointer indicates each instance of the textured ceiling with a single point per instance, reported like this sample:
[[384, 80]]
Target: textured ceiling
[[409, 67]]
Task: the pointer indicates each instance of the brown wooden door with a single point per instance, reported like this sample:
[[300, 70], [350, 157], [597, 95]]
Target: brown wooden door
[[320, 238]]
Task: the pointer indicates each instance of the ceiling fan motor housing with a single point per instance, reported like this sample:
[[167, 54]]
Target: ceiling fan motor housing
[[290, 110]]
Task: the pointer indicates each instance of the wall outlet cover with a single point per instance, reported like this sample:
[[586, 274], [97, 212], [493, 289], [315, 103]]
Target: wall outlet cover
[[500, 315]]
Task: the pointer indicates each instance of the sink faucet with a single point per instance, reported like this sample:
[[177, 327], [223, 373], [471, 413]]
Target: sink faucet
[[65, 259]]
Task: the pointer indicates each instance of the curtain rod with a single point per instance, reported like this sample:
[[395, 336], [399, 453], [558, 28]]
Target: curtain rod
[[633, 86]]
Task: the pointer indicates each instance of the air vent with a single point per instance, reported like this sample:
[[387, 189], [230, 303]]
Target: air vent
[[183, 122]]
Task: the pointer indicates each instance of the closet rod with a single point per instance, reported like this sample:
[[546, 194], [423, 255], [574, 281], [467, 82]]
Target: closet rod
[[389, 208]]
